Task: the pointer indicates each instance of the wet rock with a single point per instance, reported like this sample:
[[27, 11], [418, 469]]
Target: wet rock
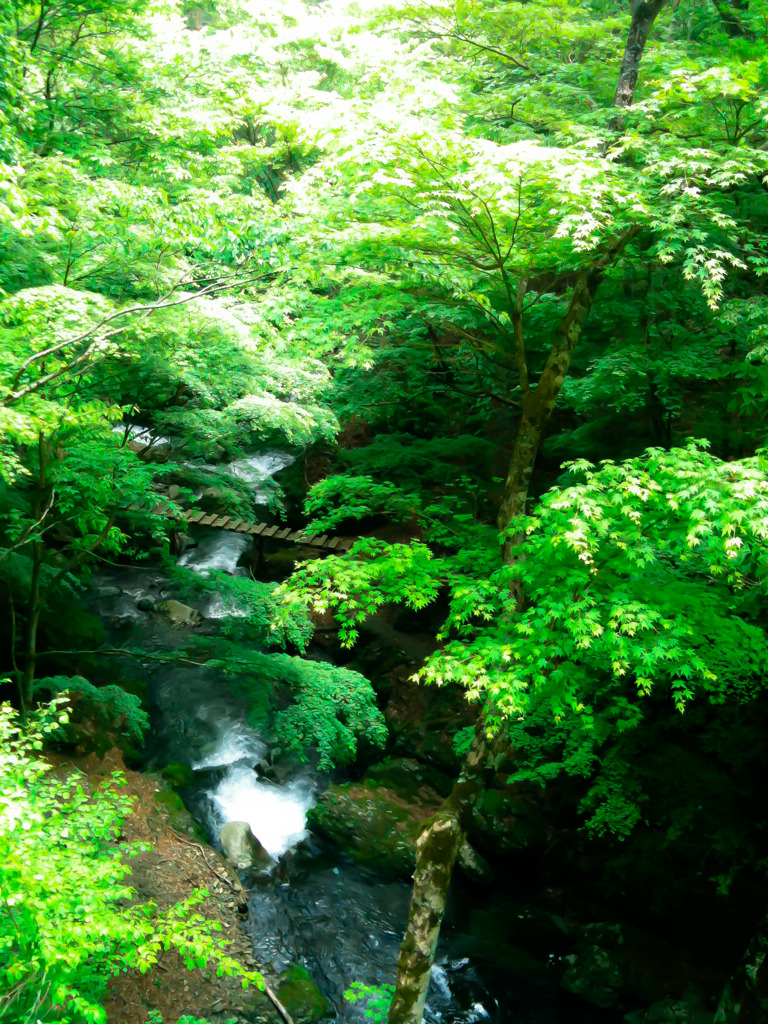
[[174, 491], [242, 849], [379, 826], [265, 770], [108, 592], [597, 967], [146, 604], [301, 997], [181, 542], [180, 614], [373, 824]]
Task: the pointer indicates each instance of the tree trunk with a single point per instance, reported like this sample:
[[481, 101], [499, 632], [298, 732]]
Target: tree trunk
[[436, 852], [745, 998], [644, 13], [439, 843], [540, 403]]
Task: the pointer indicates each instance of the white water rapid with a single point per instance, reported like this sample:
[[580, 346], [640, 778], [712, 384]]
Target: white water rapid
[[216, 549], [277, 814]]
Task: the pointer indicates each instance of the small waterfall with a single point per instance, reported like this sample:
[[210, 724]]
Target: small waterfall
[[277, 814], [236, 743], [256, 470], [217, 549]]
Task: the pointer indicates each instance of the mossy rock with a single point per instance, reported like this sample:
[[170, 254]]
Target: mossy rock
[[371, 824], [301, 997], [407, 776], [178, 815], [178, 774]]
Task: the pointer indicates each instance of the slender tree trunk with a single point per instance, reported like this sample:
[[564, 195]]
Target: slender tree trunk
[[34, 608], [644, 13], [439, 843], [436, 851]]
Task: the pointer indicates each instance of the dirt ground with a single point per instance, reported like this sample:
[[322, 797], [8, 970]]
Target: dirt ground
[[176, 865]]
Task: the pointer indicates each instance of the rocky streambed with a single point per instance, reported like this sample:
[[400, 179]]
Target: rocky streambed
[[328, 878]]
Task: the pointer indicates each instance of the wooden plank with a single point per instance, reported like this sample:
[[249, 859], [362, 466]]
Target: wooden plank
[[233, 524], [270, 531], [242, 527], [333, 543], [256, 529], [220, 522], [207, 520], [346, 543], [195, 517], [282, 534], [293, 537], [318, 542]]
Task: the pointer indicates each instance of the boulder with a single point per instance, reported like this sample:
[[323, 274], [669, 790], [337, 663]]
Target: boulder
[[242, 849], [146, 604], [298, 993], [180, 614], [302, 998], [379, 826], [174, 491]]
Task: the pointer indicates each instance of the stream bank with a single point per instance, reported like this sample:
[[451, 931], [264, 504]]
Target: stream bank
[[332, 913]]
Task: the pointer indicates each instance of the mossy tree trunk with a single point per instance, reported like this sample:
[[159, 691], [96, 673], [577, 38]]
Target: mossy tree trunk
[[438, 845]]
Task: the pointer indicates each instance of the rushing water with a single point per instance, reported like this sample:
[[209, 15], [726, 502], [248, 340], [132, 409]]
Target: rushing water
[[216, 549], [341, 921]]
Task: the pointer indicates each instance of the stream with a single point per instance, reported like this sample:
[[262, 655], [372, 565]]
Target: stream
[[342, 922]]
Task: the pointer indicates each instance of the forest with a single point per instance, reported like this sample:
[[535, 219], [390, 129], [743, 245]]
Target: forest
[[383, 479]]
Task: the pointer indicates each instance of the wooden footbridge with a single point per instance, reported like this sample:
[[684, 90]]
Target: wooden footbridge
[[263, 531]]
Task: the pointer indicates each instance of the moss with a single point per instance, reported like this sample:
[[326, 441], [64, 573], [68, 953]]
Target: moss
[[302, 998], [372, 824], [298, 993], [178, 774], [178, 815]]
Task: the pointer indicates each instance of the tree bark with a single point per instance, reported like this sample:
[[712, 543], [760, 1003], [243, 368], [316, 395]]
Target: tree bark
[[644, 13], [436, 851]]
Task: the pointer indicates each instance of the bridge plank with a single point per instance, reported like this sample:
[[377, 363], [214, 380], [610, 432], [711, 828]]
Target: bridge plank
[[256, 529], [282, 534], [318, 542], [220, 522], [207, 520], [233, 523], [242, 527], [333, 543], [195, 517], [346, 543], [270, 531]]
